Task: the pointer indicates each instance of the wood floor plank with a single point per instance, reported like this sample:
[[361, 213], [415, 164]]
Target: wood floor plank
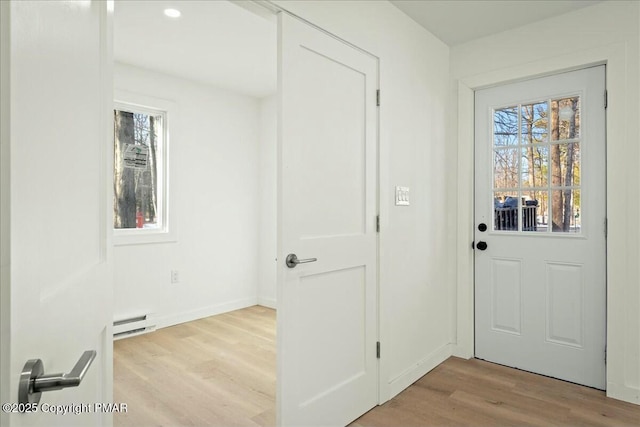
[[221, 371], [478, 393], [218, 371]]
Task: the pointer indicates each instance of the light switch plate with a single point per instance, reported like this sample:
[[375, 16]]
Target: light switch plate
[[402, 196]]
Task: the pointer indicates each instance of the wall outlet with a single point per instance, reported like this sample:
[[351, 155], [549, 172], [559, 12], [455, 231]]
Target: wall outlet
[[175, 276]]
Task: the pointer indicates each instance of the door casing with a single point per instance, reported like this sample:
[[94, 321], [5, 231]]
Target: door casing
[[5, 242]]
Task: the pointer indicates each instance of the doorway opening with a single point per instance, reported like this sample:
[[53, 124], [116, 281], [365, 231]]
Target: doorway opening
[[209, 69]]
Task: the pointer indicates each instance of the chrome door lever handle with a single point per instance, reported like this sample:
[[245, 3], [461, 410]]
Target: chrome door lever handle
[[292, 260], [33, 383]]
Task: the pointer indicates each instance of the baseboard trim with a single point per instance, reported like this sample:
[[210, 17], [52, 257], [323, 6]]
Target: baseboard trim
[[418, 370], [200, 313], [623, 392], [462, 352], [267, 302]]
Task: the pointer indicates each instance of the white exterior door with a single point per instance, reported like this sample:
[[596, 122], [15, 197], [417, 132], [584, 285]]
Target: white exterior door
[[56, 281], [540, 280], [327, 309]]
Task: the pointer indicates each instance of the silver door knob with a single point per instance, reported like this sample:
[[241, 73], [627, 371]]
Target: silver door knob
[[33, 382], [292, 260]]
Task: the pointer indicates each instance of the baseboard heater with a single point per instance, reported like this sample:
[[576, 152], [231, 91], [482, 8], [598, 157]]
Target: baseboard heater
[[132, 326]]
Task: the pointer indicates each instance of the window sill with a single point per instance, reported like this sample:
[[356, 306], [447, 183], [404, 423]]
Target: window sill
[[142, 237]]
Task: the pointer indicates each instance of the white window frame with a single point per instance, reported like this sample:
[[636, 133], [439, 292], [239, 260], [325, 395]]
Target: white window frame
[[167, 231]]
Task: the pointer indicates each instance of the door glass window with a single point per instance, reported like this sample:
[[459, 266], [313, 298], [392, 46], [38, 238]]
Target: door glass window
[[536, 167]]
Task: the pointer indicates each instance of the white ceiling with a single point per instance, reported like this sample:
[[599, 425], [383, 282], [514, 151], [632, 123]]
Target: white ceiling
[[459, 21], [214, 42], [222, 44]]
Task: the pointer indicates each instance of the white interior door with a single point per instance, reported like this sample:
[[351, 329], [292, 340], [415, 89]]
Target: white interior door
[[540, 281], [327, 309], [58, 277]]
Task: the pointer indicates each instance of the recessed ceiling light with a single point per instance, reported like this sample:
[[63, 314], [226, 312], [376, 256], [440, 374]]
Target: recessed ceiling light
[[172, 13]]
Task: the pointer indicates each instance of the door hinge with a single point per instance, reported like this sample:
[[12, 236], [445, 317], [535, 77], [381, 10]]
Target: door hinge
[[377, 223], [605, 354], [606, 98], [378, 97], [378, 349], [606, 228]]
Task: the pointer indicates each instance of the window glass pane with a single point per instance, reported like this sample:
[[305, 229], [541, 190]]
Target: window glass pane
[[535, 123], [535, 210], [505, 167], [565, 210], [565, 164], [505, 127], [505, 211], [535, 166], [137, 144], [565, 118]]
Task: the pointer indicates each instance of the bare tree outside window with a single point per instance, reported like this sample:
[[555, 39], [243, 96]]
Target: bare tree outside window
[[137, 142], [536, 166], [565, 164]]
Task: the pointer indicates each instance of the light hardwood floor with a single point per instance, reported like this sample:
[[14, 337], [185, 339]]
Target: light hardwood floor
[[217, 371], [478, 393], [220, 371]]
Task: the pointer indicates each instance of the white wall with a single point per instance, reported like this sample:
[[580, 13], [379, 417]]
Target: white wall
[[605, 33], [415, 282], [267, 226], [214, 174]]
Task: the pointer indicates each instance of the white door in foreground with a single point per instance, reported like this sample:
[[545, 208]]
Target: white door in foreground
[[327, 307], [540, 281], [59, 281]]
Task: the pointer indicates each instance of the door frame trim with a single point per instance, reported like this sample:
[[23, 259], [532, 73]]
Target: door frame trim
[[5, 211], [276, 8], [614, 57]]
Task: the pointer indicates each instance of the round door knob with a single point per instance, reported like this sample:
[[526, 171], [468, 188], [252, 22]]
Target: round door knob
[[481, 245]]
